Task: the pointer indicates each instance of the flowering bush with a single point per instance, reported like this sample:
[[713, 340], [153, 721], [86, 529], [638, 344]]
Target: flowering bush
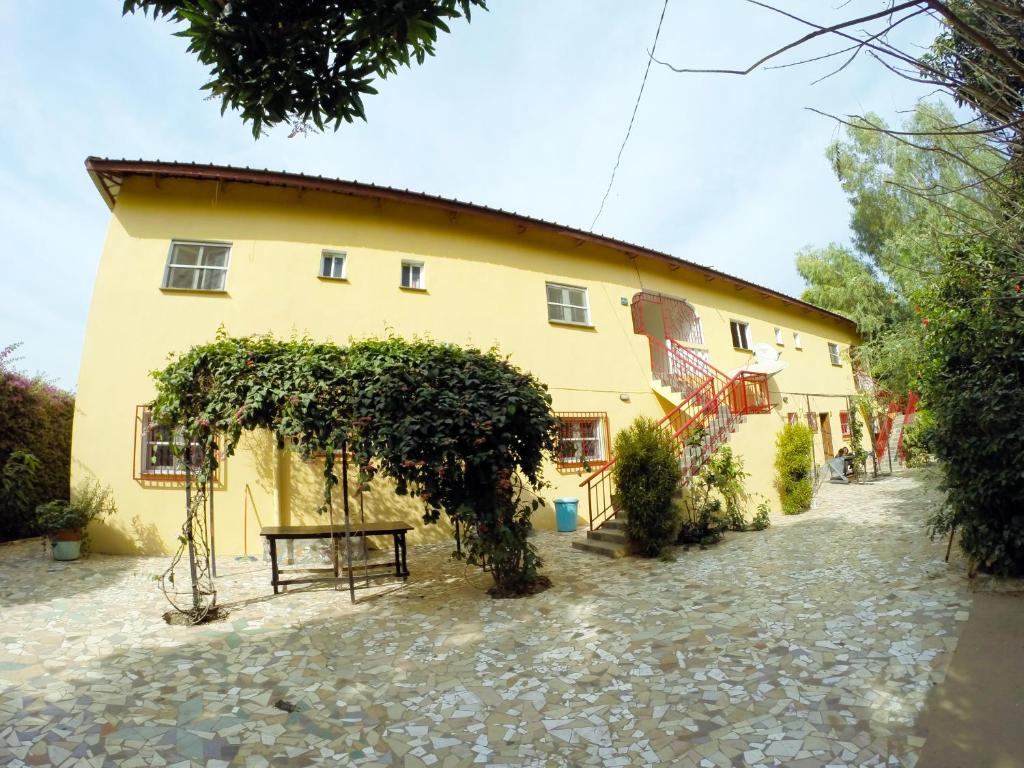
[[35, 421]]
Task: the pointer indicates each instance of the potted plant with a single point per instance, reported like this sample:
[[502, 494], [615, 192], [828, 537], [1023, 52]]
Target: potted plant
[[64, 523]]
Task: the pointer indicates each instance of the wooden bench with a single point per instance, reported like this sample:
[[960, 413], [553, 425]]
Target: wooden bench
[[393, 528]]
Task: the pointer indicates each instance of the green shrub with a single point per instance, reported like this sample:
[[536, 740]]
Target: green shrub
[[89, 501], [793, 468], [973, 383], [702, 523], [761, 519], [724, 473], [647, 474], [917, 439]]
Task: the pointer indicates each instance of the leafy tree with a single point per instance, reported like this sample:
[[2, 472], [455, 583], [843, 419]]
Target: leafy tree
[[309, 61], [973, 384], [840, 281]]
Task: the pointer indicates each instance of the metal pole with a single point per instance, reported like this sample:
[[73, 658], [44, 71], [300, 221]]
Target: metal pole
[[348, 522], [191, 541], [213, 537]]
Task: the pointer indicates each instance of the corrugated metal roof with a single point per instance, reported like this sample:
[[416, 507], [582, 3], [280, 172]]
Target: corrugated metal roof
[[108, 174]]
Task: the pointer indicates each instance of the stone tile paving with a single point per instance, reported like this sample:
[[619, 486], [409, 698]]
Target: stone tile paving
[[813, 643]]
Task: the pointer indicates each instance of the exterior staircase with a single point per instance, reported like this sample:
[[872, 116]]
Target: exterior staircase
[[712, 406], [609, 540]]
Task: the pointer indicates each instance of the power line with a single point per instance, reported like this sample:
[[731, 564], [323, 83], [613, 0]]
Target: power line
[[636, 106]]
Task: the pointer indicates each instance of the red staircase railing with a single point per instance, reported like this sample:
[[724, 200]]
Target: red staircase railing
[[699, 425]]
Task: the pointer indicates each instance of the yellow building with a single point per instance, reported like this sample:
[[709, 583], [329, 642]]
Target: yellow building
[[615, 331]]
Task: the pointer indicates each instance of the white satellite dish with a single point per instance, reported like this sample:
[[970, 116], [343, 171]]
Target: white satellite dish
[[766, 361]]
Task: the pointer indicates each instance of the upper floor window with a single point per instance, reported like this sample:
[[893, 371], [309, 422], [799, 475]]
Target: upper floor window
[[833, 353], [582, 439], [778, 336], [568, 304], [740, 334], [412, 275], [796, 340], [197, 266], [332, 265], [791, 418]]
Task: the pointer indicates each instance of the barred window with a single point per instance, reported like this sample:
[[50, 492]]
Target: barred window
[[156, 447], [582, 439]]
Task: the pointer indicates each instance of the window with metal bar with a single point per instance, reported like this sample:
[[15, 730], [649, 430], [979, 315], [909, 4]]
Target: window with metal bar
[[197, 266], [159, 449], [833, 354], [582, 439]]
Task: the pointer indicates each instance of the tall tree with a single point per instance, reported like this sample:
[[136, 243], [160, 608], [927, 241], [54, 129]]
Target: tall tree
[[306, 61]]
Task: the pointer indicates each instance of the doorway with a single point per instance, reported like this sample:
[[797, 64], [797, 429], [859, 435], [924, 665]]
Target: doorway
[[826, 435]]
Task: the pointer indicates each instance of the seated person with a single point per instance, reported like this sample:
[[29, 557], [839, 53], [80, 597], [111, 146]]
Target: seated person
[[847, 456]]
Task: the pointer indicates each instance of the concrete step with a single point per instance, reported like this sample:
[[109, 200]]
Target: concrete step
[[612, 535], [603, 548], [617, 523]]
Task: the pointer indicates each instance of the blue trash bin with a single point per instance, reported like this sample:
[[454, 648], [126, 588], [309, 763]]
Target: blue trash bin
[[565, 514]]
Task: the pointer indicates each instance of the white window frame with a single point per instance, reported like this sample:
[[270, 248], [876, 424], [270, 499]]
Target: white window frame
[[198, 269], [421, 283], [333, 257], [579, 458], [562, 305], [779, 338], [744, 328], [834, 354], [797, 341]]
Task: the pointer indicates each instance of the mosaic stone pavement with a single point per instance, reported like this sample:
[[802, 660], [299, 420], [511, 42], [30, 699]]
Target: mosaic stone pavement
[[813, 643]]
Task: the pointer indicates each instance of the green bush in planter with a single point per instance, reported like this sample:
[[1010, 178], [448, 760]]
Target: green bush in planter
[[647, 474], [793, 468], [89, 501]]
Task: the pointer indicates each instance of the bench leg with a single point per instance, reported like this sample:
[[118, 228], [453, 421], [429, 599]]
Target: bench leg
[[398, 557], [273, 564], [405, 565]]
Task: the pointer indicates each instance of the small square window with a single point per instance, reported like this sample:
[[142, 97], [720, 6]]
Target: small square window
[[778, 337], [160, 451], [568, 304], [812, 421], [791, 418], [797, 343], [196, 266], [833, 353], [332, 265], [582, 439], [412, 275], [740, 334]]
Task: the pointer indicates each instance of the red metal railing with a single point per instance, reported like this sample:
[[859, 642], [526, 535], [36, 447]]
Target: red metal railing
[[699, 426]]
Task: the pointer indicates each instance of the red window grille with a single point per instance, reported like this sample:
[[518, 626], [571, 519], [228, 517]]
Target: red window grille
[[844, 422], [582, 439]]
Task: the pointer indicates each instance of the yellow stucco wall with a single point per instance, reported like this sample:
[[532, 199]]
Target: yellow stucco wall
[[485, 285]]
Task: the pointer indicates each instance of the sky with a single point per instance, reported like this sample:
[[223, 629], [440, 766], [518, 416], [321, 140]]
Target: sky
[[524, 108]]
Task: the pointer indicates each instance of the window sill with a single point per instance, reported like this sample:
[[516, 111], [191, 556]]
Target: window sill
[[412, 289], [570, 324], [744, 349], [195, 291], [327, 279], [837, 365]]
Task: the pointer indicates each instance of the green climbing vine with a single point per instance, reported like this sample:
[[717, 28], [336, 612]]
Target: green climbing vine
[[462, 429]]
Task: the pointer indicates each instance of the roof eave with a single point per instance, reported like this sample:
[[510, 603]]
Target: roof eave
[[103, 170]]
